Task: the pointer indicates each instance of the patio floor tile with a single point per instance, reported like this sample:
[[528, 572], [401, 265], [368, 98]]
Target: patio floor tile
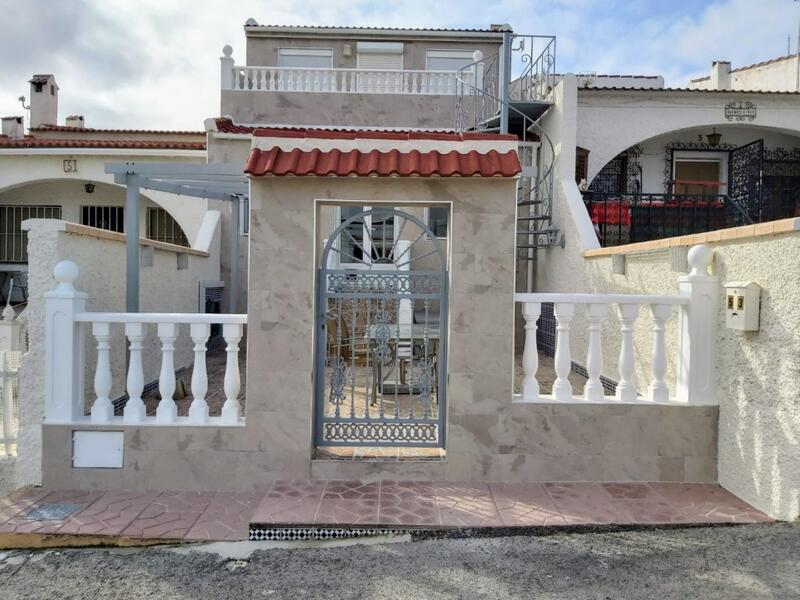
[[348, 502], [584, 503], [228, 517], [77, 499], [171, 515], [20, 501], [466, 505], [408, 503], [525, 504], [108, 515], [290, 502]]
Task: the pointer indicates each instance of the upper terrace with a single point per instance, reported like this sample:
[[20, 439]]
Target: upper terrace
[[376, 77]]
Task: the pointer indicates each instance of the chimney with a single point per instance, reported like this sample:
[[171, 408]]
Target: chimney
[[44, 100], [720, 75], [75, 121], [13, 127]]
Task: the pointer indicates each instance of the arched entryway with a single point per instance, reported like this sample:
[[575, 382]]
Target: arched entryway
[[381, 323]]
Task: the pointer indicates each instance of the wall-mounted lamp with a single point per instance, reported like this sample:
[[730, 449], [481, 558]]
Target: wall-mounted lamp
[[89, 187], [714, 138]]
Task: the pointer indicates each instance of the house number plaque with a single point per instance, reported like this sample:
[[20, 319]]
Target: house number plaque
[[741, 110]]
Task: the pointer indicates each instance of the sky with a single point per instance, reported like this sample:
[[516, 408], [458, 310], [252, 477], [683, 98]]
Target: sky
[[154, 64]]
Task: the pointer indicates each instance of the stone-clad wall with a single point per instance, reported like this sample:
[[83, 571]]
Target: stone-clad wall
[[488, 437]]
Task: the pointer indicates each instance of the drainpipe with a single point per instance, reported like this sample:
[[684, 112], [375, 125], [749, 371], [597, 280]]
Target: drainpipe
[[505, 80], [132, 243]]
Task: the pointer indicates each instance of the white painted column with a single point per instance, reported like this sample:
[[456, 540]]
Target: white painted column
[[167, 410], [593, 390], [231, 410], [226, 68], [64, 358], [530, 353], [658, 391], [562, 388], [405, 314], [102, 409], [198, 411], [697, 330], [626, 388], [134, 409]]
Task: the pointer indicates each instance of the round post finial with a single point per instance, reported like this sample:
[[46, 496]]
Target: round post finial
[[227, 50], [477, 56], [699, 258], [66, 272]]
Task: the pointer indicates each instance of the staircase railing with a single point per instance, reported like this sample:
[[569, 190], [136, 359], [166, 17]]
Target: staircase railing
[[478, 108], [538, 74]]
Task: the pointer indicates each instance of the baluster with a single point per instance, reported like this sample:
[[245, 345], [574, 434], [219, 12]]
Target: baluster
[[626, 388], [593, 390], [562, 388], [530, 354], [167, 410], [658, 390], [232, 332], [198, 411], [423, 87], [102, 409], [352, 79], [134, 409]]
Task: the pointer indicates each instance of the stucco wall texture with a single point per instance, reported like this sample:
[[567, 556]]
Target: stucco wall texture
[[163, 288], [757, 372]]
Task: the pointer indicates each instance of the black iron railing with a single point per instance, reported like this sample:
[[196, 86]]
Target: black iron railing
[[627, 218]]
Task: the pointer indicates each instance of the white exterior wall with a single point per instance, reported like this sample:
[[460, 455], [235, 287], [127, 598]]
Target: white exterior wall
[[20, 168], [777, 76], [164, 288]]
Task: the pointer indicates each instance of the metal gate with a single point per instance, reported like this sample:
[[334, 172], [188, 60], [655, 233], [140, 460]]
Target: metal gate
[[745, 169], [381, 333]]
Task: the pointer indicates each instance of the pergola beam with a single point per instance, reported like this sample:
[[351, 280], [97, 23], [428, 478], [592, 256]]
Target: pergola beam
[[217, 181]]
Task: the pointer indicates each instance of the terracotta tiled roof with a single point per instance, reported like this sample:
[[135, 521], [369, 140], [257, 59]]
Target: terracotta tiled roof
[[753, 66], [226, 125], [36, 142], [335, 27], [354, 134], [672, 89], [104, 130], [376, 163]]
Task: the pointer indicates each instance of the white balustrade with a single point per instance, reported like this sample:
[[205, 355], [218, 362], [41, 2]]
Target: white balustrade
[[145, 333], [365, 81], [694, 360]]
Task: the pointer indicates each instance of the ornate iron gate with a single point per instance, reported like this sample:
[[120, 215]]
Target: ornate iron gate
[[745, 169], [381, 333]]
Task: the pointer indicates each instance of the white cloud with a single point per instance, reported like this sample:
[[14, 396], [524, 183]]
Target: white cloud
[[155, 63]]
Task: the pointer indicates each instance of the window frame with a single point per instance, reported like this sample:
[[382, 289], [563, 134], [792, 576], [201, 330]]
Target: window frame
[[426, 217], [117, 207]]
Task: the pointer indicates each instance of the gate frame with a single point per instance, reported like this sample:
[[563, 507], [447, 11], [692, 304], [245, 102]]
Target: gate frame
[[320, 327]]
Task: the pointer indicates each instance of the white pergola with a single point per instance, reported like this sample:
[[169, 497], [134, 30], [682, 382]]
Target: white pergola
[[219, 181]]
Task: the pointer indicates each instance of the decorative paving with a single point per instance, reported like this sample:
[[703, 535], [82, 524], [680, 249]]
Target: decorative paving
[[326, 509]]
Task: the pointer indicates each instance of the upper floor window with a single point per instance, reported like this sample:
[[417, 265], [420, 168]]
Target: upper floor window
[[311, 58], [377, 58], [448, 60]]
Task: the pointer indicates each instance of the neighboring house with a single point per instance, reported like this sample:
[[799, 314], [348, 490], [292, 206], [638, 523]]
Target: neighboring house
[[780, 74], [57, 171]]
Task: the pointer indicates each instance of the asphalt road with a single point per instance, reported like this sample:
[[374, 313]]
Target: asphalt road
[[748, 562]]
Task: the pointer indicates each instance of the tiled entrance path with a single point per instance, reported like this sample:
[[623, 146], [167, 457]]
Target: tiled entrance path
[[227, 515]]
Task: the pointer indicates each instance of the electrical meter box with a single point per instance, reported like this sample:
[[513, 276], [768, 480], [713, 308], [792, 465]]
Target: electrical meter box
[[742, 305]]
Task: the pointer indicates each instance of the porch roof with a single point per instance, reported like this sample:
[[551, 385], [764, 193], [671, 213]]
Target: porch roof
[[377, 163], [37, 142], [682, 89]]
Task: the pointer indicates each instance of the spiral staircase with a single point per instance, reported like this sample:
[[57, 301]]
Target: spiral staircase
[[490, 99]]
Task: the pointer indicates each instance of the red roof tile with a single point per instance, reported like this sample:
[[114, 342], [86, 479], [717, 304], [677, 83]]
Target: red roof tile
[[226, 125], [338, 163], [109, 130], [353, 134], [36, 142]]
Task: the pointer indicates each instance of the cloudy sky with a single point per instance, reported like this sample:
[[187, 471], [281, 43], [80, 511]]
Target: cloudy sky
[[155, 63]]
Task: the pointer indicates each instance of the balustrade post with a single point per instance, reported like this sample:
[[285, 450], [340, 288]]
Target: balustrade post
[[477, 58], [64, 358], [658, 391], [102, 409], [198, 411], [593, 390], [226, 68], [167, 411], [530, 353], [562, 388], [134, 408], [231, 410], [697, 330], [626, 388]]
